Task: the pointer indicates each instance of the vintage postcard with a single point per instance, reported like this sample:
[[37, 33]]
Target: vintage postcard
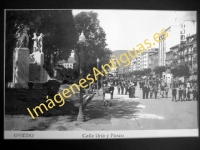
[[100, 74]]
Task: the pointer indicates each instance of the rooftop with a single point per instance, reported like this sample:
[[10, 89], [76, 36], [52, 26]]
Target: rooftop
[[175, 46], [71, 60]]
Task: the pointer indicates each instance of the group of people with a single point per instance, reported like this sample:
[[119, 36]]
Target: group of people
[[184, 91], [127, 87], [151, 89], [109, 90], [124, 87]]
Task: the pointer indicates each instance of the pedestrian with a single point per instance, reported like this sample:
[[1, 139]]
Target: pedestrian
[[122, 88], [188, 93], [166, 90], [135, 83], [180, 92], [174, 92], [126, 88], [184, 93], [144, 89], [118, 88], [142, 84], [194, 92], [147, 91], [151, 90], [111, 90], [162, 90], [105, 91], [133, 91], [92, 86], [155, 90], [129, 90], [188, 85]]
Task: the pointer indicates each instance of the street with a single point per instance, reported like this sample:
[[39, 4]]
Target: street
[[124, 114]]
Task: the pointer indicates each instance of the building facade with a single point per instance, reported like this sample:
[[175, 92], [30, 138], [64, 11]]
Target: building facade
[[167, 76], [188, 28], [184, 54], [136, 63], [167, 42], [175, 56], [114, 71], [144, 60], [68, 65], [169, 58], [153, 60]]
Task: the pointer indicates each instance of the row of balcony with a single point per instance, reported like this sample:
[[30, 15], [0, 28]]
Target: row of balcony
[[184, 62], [189, 53]]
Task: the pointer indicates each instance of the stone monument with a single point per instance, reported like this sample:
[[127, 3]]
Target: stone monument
[[28, 67], [21, 58], [37, 72], [21, 67]]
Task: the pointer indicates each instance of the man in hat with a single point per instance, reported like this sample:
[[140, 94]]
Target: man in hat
[[105, 90], [133, 90], [129, 90], [111, 90]]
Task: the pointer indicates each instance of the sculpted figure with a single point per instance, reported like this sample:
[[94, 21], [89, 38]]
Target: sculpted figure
[[17, 36], [35, 42], [40, 40], [22, 37]]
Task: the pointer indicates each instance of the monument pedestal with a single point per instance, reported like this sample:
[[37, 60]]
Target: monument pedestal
[[21, 60], [37, 72], [39, 58]]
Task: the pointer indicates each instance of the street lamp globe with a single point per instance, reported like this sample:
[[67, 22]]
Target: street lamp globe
[[82, 38], [98, 60]]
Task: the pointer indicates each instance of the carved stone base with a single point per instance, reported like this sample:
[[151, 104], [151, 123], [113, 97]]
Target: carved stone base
[[21, 67]]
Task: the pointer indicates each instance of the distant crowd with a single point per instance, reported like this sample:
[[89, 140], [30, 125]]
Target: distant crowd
[[151, 88]]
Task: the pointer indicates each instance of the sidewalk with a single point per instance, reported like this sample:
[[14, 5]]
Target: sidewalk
[[124, 114]]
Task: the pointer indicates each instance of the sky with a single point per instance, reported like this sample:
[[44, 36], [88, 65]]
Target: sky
[[126, 28]]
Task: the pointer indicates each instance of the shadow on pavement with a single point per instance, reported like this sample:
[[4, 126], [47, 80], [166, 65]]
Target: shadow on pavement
[[118, 109]]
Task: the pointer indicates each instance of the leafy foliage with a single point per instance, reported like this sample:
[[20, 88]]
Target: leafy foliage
[[137, 72], [57, 26], [147, 71], [180, 71], [95, 45], [159, 70]]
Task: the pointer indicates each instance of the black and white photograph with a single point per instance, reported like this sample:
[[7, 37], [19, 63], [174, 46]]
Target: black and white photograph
[[100, 74]]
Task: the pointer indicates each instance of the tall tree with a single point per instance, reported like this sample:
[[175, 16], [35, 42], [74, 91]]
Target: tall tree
[[95, 45], [57, 26], [159, 70], [147, 71], [180, 71]]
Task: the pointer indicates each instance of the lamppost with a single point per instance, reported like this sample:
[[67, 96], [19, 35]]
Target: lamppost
[[97, 77], [81, 117]]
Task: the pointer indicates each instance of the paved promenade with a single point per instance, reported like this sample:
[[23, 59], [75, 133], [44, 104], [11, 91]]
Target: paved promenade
[[124, 114]]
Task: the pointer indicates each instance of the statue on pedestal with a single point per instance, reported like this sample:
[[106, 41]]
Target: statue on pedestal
[[37, 45], [22, 37], [40, 40], [35, 42]]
